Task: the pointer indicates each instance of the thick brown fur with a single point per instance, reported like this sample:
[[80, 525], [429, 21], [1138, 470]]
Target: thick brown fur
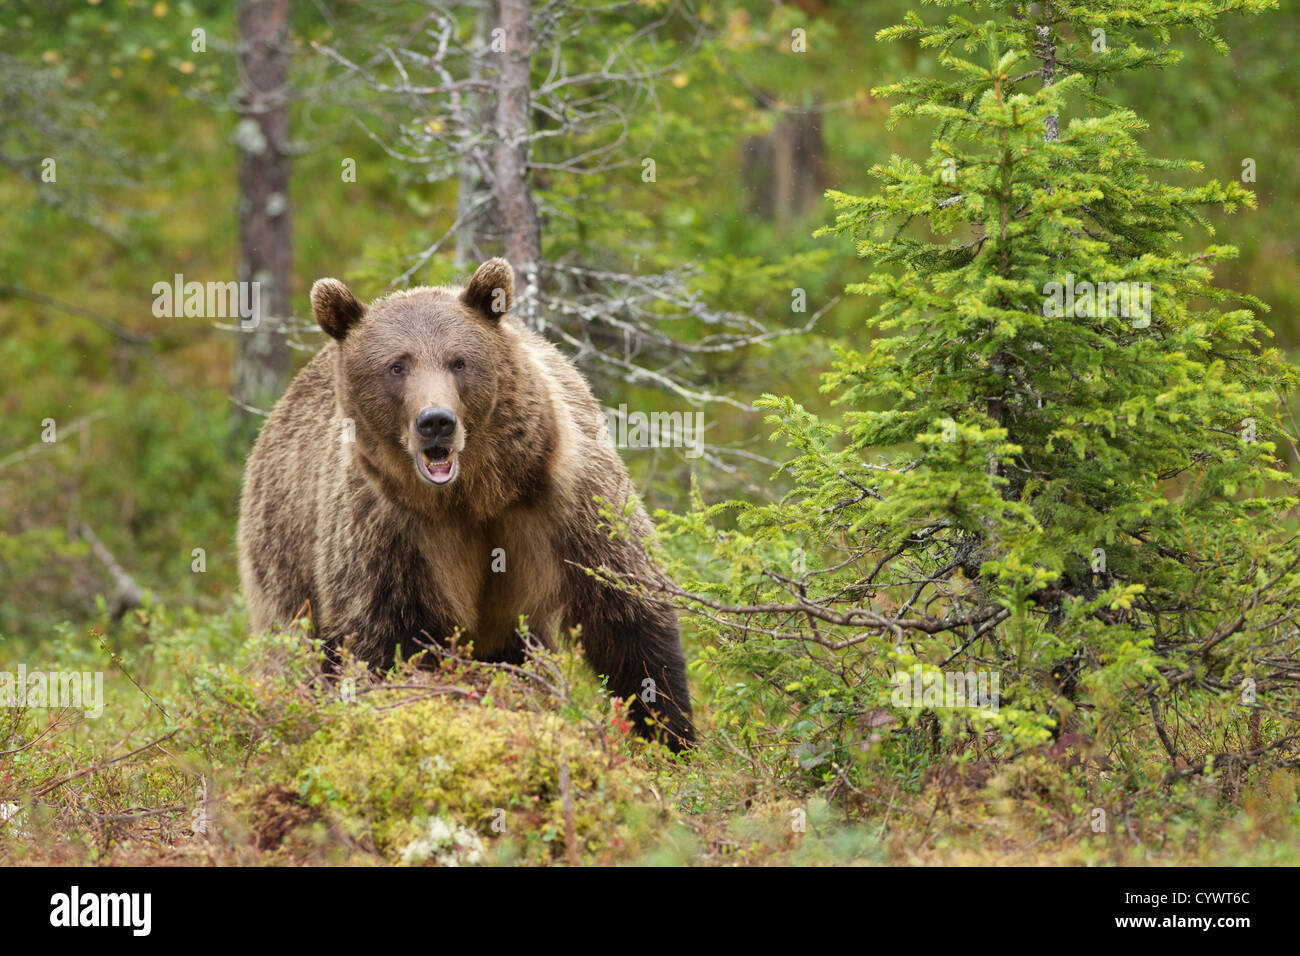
[[388, 559]]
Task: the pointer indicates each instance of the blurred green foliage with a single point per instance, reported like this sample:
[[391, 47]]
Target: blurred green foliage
[[156, 475]]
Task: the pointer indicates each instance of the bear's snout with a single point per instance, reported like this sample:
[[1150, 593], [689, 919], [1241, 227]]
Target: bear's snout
[[436, 461], [437, 423]]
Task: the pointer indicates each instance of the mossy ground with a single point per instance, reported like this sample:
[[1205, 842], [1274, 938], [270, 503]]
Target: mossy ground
[[260, 760]]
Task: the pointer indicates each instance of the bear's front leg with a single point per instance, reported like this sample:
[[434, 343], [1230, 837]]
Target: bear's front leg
[[379, 606], [632, 639]]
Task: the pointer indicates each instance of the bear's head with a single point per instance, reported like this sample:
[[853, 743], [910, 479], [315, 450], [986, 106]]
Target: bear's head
[[419, 372]]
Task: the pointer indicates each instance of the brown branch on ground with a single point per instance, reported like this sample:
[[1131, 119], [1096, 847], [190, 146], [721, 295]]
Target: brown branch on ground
[[126, 593]]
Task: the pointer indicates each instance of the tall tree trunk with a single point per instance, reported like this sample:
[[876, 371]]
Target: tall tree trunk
[[470, 178], [783, 171], [262, 357], [514, 199]]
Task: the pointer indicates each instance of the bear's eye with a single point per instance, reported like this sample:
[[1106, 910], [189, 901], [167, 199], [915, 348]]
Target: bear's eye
[[458, 365], [397, 368]]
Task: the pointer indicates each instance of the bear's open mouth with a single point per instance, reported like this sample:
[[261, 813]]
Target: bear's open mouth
[[438, 465]]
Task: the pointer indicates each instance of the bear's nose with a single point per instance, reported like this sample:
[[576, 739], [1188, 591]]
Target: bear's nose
[[436, 422]]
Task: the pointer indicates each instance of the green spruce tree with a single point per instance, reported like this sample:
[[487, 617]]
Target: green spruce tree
[[1058, 461]]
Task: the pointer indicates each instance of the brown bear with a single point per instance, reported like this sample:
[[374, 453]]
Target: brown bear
[[434, 471]]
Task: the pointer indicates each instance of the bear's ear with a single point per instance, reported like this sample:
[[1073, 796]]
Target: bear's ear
[[492, 289], [335, 307]]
